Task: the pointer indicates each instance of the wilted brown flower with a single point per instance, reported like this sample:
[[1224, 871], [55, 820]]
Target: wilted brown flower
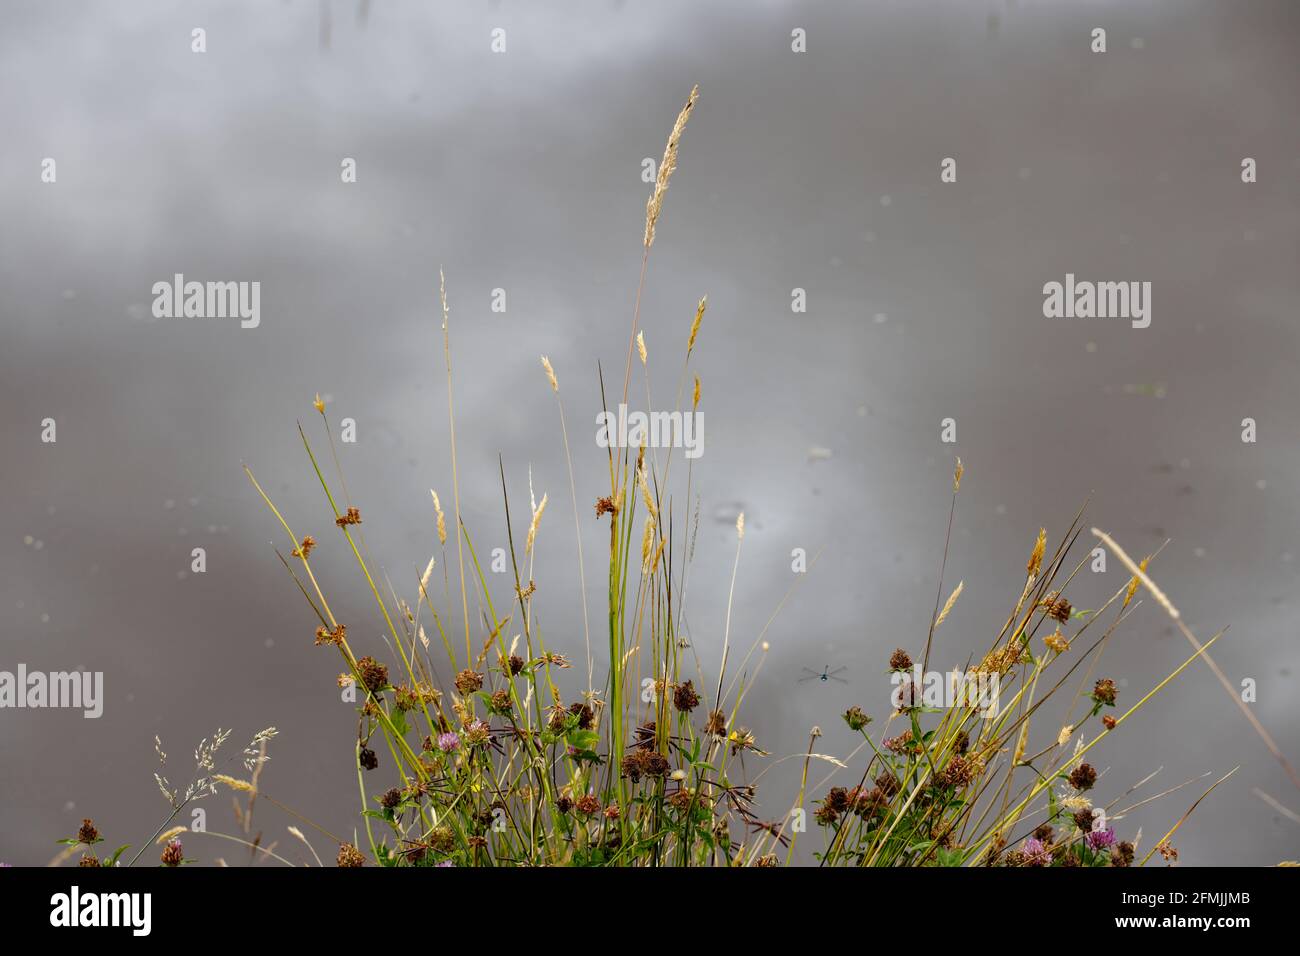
[[900, 744], [586, 716], [87, 834], [172, 854], [888, 784], [1104, 692], [367, 759], [1083, 777], [468, 681], [684, 697], [353, 516], [855, 718], [959, 772], [717, 724], [1058, 608], [648, 763], [900, 661], [373, 674], [335, 635], [1057, 642]]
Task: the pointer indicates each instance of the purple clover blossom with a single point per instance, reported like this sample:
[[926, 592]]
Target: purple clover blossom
[[1036, 854], [1100, 839], [444, 863], [448, 742]]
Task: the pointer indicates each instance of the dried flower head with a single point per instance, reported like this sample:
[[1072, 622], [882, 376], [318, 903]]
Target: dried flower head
[[87, 834], [353, 516], [304, 549]]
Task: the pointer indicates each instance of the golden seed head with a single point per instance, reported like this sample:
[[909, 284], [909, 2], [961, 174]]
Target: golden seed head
[[168, 835], [645, 491], [654, 205], [320, 405], [740, 527], [1133, 584], [233, 783], [696, 403], [956, 476], [947, 607], [550, 373], [647, 539], [1036, 559], [532, 528], [640, 347], [695, 326], [442, 519]]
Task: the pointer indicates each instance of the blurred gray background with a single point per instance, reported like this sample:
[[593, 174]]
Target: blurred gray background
[[817, 170]]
